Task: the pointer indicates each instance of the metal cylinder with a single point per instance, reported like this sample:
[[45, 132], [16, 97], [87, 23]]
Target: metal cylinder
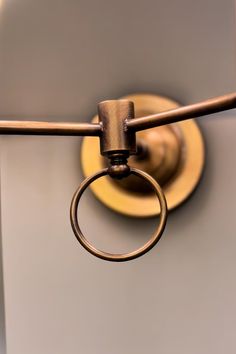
[[115, 137]]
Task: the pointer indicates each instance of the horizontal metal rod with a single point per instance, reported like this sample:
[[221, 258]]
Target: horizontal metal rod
[[48, 128], [210, 106]]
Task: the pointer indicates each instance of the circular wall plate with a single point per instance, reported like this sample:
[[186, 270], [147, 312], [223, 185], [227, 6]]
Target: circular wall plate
[[176, 159]]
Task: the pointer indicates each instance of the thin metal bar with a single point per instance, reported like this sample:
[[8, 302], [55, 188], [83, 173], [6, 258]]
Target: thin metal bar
[[210, 106], [48, 128]]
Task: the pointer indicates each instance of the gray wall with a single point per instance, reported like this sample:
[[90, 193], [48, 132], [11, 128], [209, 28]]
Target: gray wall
[[58, 59]]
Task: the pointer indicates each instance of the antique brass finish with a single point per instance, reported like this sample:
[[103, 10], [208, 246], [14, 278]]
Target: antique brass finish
[[117, 143], [213, 105], [12, 127], [125, 256], [160, 155], [112, 117], [176, 155], [173, 155]]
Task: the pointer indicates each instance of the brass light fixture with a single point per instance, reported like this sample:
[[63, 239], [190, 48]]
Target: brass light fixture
[[172, 155]]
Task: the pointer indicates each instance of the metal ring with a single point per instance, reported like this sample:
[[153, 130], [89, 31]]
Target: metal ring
[[123, 256]]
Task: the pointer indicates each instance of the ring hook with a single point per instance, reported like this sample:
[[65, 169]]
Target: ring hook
[[123, 256]]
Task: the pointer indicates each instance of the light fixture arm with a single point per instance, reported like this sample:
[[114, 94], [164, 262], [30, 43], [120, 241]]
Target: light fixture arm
[[210, 106], [15, 127]]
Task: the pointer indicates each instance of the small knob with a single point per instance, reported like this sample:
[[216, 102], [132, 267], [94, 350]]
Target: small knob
[[118, 167]]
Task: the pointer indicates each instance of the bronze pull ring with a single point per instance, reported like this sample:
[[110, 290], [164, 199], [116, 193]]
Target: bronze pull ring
[[124, 256]]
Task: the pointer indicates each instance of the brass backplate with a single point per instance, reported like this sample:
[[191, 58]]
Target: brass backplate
[[173, 154]]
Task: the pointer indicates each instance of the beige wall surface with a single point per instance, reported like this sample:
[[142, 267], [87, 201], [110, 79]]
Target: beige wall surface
[[58, 59]]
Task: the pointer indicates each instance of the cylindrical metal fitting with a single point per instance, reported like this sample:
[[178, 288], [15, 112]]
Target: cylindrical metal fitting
[[115, 137]]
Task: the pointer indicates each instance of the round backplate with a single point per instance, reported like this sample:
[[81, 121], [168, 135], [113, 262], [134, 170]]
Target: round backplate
[[175, 159]]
